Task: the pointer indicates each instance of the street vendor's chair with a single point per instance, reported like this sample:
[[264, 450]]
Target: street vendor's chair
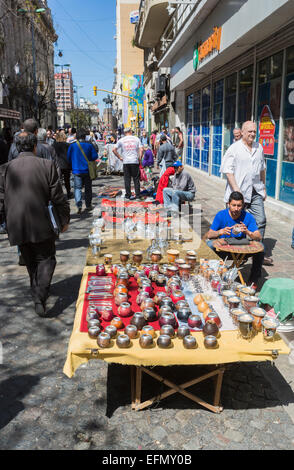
[[188, 204]]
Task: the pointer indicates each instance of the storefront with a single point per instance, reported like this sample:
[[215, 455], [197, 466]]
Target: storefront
[[9, 118], [259, 86], [160, 111]]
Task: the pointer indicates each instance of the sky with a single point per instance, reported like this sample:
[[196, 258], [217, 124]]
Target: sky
[[86, 30]]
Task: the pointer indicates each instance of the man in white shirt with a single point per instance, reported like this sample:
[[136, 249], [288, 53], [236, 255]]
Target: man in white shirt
[[244, 166], [130, 150]]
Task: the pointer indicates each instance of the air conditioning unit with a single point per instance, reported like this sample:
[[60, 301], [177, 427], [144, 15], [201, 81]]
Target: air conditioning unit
[[161, 84]]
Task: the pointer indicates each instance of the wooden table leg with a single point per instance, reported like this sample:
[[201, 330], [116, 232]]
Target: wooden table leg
[[138, 386], [218, 387], [133, 386], [237, 261], [174, 388]]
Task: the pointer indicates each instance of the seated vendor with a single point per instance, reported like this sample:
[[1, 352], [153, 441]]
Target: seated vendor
[[235, 222], [183, 189]]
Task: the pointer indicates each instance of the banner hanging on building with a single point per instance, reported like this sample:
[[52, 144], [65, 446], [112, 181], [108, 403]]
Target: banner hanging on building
[[267, 129]]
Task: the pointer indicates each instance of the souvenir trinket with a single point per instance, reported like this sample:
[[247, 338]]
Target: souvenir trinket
[[103, 340], [189, 342]]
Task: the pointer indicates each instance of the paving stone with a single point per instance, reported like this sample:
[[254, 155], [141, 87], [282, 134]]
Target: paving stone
[[257, 424], [192, 444], [233, 435], [40, 408], [159, 433]]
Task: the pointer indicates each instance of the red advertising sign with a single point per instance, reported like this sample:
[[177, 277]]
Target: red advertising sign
[[267, 128]]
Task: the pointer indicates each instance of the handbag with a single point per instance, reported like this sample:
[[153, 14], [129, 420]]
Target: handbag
[[92, 166]]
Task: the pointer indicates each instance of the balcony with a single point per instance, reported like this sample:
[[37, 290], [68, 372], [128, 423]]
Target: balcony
[[183, 22], [153, 19]]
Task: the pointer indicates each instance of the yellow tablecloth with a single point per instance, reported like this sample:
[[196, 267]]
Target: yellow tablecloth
[[231, 348]]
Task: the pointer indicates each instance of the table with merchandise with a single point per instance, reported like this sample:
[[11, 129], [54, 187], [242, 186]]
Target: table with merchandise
[[172, 308]]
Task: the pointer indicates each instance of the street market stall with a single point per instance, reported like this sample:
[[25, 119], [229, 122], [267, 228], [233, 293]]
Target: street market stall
[[215, 324]]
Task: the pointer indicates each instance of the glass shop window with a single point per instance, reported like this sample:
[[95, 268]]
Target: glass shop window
[[287, 177], [217, 121], [196, 136], [189, 117], [230, 109], [205, 128], [189, 109], [245, 95]]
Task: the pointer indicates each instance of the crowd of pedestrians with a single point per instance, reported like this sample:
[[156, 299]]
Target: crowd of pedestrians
[[32, 198]]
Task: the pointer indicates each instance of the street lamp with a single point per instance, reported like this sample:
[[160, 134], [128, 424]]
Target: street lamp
[[36, 10], [62, 81]]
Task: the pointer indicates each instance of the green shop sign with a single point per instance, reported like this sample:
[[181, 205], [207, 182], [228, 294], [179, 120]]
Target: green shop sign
[[195, 57]]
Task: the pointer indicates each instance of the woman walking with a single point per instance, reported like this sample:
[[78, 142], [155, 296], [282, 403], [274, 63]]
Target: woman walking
[[61, 146]]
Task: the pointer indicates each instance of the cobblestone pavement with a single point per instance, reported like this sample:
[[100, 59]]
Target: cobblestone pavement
[[40, 408]]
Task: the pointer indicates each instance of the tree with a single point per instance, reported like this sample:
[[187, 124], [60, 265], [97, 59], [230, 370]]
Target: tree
[[79, 118]]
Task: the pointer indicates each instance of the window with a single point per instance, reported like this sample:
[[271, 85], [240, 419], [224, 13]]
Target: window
[[230, 109], [189, 129], [196, 129], [245, 95], [205, 121], [217, 121], [287, 178], [269, 77]]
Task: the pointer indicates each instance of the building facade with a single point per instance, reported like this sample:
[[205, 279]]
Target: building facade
[[26, 63], [154, 18], [229, 65], [129, 69], [64, 95]]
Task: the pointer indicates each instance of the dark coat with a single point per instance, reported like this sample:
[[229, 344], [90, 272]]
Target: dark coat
[[3, 151], [61, 149], [27, 184]]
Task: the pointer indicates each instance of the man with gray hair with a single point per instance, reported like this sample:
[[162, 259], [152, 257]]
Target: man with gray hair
[[27, 184], [237, 133], [30, 125], [50, 150]]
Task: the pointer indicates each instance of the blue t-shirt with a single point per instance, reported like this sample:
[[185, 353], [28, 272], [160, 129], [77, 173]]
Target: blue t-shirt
[[223, 219]]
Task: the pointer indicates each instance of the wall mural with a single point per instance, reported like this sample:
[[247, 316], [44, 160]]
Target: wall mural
[[132, 85]]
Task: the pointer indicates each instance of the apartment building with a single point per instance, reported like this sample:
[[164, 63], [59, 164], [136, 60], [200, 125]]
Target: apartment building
[[64, 95], [26, 62], [228, 62], [129, 68]]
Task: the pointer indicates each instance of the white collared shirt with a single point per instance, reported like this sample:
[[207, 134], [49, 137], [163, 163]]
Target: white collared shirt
[[246, 166]]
